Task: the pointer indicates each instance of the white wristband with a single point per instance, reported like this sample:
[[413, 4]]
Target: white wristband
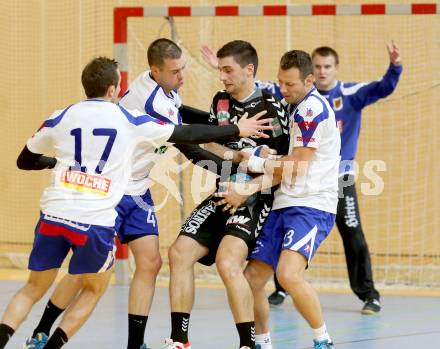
[[256, 164]]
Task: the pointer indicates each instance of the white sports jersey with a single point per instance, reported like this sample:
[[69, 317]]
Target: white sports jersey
[[313, 124], [145, 95], [92, 141]]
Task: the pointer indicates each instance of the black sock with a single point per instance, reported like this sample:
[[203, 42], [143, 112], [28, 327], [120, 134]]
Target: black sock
[[57, 340], [246, 331], [136, 330], [51, 313], [6, 333], [179, 327]]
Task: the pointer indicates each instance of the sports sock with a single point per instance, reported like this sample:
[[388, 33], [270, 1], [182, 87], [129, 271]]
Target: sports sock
[[179, 327], [51, 313], [6, 333], [246, 331], [57, 340], [321, 333], [136, 330], [264, 340]]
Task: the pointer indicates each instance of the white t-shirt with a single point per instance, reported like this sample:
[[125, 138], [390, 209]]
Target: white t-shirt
[[313, 124], [92, 141], [145, 95]]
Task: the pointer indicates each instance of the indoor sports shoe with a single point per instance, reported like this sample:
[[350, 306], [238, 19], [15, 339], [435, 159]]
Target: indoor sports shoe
[[325, 344], [169, 344], [277, 297], [38, 342], [371, 307], [144, 346]]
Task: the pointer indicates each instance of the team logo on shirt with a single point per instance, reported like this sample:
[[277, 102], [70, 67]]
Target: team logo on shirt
[[337, 103], [85, 182], [309, 112], [170, 113]]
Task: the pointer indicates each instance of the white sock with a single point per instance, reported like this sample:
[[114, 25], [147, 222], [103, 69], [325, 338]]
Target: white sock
[[264, 340], [321, 333]]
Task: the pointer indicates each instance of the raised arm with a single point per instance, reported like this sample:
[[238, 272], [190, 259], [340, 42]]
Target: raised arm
[[363, 94]]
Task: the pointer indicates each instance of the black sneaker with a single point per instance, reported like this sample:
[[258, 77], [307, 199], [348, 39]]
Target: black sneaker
[[277, 297], [371, 307]]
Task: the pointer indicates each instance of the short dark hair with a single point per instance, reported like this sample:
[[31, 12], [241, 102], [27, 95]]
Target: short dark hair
[[98, 75], [242, 51], [297, 59], [161, 49], [326, 51]]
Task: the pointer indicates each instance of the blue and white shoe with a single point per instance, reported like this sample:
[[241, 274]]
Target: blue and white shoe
[[144, 346], [38, 342], [325, 344]]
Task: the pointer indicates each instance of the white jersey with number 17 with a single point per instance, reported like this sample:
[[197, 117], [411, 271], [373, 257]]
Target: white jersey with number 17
[[92, 141]]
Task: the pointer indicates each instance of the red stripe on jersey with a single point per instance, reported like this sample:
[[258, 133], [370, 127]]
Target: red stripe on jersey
[[226, 10], [275, 10], [323, 10], [179, 11], [373, 9], [56, 230], [423, 9]]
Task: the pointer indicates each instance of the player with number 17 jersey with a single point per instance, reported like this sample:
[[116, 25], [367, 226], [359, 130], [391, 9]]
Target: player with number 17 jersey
[[100, 137]]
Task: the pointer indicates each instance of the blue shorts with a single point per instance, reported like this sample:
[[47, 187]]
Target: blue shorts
[[136, 217], [93, 246], [300, 229]]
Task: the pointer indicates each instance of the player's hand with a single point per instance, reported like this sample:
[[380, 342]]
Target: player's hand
[[209, 56], [393, 52], [231, 199], [266, 152], [253, 126]]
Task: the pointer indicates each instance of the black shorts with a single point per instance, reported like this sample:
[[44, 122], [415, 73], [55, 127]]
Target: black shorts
[[208, 224]]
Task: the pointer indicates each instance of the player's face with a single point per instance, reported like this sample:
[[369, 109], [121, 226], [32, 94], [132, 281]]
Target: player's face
[[170, 74], [324, 70], [292, 87], [233, 76]]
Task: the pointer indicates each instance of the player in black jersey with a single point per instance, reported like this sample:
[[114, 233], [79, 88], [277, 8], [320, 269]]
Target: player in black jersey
[[210, 234]]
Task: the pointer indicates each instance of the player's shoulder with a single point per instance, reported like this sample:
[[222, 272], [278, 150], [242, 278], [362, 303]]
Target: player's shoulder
[[57, 116], [313, 105], [143, 83], [351, 88], [269, 96], [272, 103], [222, 94], [128, 112], [61, 111]]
